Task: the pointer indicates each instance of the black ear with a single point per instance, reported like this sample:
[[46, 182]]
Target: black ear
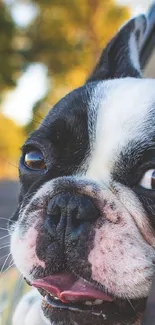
[[121, 56]]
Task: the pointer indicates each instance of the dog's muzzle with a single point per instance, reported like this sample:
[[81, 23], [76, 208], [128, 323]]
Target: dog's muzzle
[[69, 211]]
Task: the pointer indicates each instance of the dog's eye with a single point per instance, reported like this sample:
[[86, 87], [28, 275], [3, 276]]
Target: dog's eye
[[148, 180], [34, 160]]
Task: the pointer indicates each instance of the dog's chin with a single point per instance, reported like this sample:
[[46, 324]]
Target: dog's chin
[[108, 313]]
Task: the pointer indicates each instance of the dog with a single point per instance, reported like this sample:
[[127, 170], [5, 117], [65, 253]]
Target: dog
[[83, 234]]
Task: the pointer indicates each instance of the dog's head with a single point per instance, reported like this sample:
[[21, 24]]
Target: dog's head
[[84, 229]]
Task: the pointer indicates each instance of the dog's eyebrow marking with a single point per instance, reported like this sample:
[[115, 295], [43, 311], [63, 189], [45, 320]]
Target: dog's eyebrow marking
[[128, 167]]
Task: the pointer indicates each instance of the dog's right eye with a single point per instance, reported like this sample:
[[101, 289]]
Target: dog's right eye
[[34, 160]]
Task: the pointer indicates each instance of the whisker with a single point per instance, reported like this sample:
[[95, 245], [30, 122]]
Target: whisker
[[11, 260], [10, 163], [39, 116], [2, 218], [4, 237], [9, 267], [5, 244], [1, 228], [3, 256], [7, 220], [8, 245], [45, 124], [145, 260], [131, 304], [19, 283], [3, 266]]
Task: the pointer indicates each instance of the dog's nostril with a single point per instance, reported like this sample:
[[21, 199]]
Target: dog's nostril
[[75, 221], [54, 214], [52, 219], [82, 209]]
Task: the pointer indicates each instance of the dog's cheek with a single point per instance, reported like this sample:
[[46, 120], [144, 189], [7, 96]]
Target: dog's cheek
[[121, 261], [23, 249]]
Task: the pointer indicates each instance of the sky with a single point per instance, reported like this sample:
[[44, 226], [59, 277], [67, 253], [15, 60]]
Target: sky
[[33, 84], [138, 6], [31, 87]]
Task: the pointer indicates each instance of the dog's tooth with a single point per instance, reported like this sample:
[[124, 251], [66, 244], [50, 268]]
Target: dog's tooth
[[56, 298], [88, 303], [51, 295], [98, 302]]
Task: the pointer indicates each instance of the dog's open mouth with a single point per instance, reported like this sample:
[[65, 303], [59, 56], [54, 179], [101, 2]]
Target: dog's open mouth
[[65, 291], [67, 288]]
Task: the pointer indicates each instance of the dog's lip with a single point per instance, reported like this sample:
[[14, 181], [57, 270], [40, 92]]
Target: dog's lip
[[67, 288]]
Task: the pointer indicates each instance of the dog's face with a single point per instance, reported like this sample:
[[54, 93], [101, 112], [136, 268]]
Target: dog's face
[[84, 229]]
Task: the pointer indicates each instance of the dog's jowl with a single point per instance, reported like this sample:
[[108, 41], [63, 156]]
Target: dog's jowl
[[83, 233]]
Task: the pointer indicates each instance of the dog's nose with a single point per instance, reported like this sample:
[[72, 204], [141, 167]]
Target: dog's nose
[[72, 211]]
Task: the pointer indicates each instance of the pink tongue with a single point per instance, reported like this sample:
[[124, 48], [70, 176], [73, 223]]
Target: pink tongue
[[67, 288]]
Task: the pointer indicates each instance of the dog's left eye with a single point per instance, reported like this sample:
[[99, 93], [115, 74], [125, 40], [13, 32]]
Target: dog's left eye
[[148, 180], [34, 160]]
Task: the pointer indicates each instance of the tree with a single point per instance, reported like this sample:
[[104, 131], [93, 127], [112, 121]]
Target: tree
[[9, 58], [68, 37], [11, 139]]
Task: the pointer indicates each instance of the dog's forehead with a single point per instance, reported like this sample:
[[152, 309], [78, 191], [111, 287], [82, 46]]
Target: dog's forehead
[[108, 115], [125, 111], [122, 105], [125, 97]]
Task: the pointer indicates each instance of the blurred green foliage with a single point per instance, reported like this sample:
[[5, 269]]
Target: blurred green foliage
[[11, 139], [9, 64], [68, 37], [12, 288]]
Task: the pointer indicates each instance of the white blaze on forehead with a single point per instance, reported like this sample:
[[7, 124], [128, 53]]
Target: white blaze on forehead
[[123, 110]]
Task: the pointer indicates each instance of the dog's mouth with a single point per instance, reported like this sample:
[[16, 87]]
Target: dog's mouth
[[67, 288], [65, 291]]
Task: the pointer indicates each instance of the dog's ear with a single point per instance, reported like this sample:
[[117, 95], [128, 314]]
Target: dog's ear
[[121, 56]]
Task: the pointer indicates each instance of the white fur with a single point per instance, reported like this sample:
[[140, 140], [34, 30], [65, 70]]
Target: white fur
[[125, 106], [28, 311], [121, 258]]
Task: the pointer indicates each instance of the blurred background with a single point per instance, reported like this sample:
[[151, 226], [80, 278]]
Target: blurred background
[[47, 48]]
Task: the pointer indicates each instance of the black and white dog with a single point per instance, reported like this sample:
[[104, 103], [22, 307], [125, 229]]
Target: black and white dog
[[84, 230]]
